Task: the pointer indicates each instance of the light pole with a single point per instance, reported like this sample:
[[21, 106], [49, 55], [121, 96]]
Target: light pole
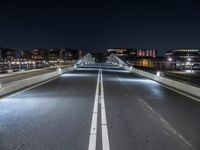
[[27, 65], [169, 60], [189, 59], [34, 64], [19, 65]]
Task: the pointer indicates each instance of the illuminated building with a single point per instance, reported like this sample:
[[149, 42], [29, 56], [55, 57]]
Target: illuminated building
[[38, 54], [71, 54], [146, 53], [54, 54], [118, 51], [183, 55], [125, 52]]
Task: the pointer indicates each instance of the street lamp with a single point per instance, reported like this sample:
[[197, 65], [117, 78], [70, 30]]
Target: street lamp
[[189, 59], [170, 59], [34, 64]]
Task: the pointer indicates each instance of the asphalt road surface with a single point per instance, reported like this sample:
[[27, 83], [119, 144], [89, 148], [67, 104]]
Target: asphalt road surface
[[99, 107]]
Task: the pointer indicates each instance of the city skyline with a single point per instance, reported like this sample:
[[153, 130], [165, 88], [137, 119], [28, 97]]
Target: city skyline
[[96, 26]]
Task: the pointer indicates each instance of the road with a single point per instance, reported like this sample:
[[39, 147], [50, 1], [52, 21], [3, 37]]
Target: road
[[99, 106]]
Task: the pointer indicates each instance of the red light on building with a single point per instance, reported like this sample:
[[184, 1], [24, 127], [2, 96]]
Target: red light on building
[[146, 53]]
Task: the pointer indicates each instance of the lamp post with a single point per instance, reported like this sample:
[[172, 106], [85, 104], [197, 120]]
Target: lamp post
[[34, 64], [189, 59], [19, 65], [169, 60], [27, 65]]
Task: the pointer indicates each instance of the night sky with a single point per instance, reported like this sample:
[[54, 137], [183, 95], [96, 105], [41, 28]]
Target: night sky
[[96, 25]]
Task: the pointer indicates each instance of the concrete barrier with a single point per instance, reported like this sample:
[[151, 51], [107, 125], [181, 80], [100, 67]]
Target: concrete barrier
[[192, 90], [17, 85], [169, 82]]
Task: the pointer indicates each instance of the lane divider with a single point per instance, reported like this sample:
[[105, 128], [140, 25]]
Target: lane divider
[[104, 127], [99, 99], [93, 130]]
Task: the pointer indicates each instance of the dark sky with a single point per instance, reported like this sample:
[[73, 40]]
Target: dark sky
[[96, 25]]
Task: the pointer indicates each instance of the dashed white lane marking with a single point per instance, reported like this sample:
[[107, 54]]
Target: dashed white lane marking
[[167, 125], [99, 99], [93, 130], [105, 139]]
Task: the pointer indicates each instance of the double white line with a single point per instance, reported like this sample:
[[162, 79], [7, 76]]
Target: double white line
[[99, 99]]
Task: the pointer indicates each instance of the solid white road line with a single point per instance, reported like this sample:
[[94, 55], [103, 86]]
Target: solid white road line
[[93, 130], [105, 139]]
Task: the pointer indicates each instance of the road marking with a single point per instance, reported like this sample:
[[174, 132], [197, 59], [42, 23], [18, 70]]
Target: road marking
[[99, 99], [166, 124], [93, 130], [170, 88], [104, 128]]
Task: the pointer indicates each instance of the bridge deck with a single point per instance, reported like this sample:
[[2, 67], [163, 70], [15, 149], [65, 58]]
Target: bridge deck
[[141, 114]]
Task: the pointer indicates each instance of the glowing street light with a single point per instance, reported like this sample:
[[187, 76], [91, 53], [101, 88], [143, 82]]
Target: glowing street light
[[158, 73], [169, 59]]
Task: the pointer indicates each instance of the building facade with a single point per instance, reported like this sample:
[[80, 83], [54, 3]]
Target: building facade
[[134, 53], [183, 55], [152, 53], [7, 54]]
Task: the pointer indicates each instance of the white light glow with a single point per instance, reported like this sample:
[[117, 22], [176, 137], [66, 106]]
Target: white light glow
[[158, 73], [189, 71], [116, 70], [188, 63], [77, 75], [136, 80], [169, 59], [59, 70]]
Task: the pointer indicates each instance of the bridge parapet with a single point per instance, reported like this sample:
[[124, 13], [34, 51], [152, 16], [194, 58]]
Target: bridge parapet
[[117, 61], [86, 59]]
